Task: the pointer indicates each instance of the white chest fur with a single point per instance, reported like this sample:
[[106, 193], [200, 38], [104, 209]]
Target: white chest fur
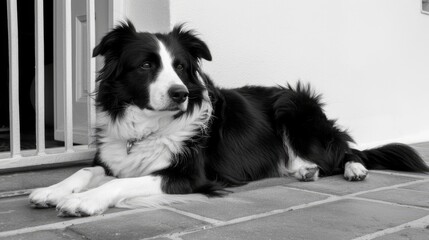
[[161, 136]]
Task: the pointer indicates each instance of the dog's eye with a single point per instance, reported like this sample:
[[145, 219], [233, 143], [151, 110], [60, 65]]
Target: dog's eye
[[179, 67], [146, 66]]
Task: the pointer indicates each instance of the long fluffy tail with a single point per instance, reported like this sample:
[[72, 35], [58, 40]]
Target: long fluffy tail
[[393, 156]]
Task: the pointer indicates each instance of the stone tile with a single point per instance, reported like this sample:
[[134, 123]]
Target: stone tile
[[401, 196], [137, 226], [250, 202], [17, 213], [45, 235], [424, 187], [407, 234], [346, 219], [337, 185], [34, 179], [269, 182]]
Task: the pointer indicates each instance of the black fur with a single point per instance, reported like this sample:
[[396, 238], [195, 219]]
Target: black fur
[[246, 133], [395, 156]]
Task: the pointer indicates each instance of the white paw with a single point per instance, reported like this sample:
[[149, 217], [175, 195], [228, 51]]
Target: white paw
[[82, 205], [302, 169], [355, 171], [306, 173], [49, 196]]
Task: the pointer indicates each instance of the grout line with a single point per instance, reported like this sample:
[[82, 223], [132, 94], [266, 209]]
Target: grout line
[[278, 211], [310, 191], [16, 193], [411, 190], [388, 172], [419, 223], [218, 223], [388, 187], [256, 216], [65, 224], [388, 203], [416, 181], [74, 232], [176, 235], [194, 216]]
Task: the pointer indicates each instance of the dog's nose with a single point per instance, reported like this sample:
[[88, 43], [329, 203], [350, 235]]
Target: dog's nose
[[178, 93]]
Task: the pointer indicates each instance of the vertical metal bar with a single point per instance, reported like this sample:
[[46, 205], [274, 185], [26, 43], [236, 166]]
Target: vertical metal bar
[[68, 84], [90, 21], [12, 20], [40, 77]]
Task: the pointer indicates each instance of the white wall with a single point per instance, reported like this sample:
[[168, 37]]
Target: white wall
[[370, 59], [148, 15]]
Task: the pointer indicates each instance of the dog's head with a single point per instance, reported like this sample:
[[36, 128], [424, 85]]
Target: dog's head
[[157, 72]]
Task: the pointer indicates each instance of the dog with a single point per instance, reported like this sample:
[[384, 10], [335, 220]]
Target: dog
[[164, 129]]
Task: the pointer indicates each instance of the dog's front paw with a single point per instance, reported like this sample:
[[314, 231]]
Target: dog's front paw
[[82, 205], [48, 196], [355, 171]]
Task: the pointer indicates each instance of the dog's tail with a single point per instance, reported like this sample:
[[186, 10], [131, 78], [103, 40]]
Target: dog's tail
[[393, 156]]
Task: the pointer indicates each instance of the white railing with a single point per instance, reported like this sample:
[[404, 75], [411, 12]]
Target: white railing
[[40, 78], [12, 18], [68, 80], [42, 155]]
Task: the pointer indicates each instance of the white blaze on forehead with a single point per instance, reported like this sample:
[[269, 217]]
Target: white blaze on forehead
[[167, 63], [167, 77], [168, 71]]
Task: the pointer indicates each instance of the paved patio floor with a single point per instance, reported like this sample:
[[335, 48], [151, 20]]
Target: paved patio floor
[[387, 205]]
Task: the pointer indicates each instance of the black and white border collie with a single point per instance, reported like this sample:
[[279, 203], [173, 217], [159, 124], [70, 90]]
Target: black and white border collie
[[164, 129]]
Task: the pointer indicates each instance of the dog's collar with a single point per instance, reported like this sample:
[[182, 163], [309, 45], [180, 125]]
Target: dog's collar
[[131, 142]]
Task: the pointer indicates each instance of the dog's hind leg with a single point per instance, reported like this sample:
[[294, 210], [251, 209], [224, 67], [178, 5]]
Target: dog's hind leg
[[297, 166], [82, 180], [313, 139]]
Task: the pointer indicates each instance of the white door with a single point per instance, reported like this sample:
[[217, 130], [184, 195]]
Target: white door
[[80, 63]]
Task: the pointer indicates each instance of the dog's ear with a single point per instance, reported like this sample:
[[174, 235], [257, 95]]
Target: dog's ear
[[195, 46], [115, 39]]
